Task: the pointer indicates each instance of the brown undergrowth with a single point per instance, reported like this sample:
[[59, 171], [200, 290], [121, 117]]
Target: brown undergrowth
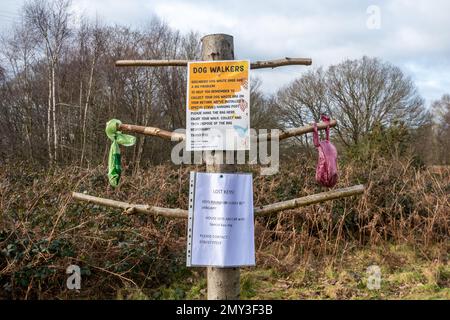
[[42, 230]]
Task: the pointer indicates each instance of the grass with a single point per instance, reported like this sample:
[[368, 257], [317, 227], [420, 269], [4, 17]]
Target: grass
[[405, 275]]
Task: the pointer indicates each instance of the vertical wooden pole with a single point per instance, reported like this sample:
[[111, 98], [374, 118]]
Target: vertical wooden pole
[[223, 283]]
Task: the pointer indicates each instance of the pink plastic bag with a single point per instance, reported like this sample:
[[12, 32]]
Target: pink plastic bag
[[326, 170]]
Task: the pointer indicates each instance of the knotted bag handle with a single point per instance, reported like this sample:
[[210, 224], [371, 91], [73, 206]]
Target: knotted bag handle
[[325, 119], [316, 136]]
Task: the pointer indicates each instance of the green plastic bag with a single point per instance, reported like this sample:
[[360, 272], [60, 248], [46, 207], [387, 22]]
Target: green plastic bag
[[114, 161]]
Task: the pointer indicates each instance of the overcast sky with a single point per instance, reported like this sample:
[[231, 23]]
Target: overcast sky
[[412, 34]]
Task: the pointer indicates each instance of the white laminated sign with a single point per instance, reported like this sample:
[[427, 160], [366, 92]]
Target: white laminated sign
[[221, 225]]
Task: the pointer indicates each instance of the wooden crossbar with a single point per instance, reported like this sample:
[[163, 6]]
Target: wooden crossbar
[[130, 208]]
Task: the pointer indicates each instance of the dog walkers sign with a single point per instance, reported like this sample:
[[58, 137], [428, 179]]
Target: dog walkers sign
[[218, 106]]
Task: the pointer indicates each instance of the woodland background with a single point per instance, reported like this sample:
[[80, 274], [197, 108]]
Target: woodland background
[[58, 88]]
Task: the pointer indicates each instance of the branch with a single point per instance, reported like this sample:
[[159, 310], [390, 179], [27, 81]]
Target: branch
[[308, 200], [169, 135], [284, 134], [183, 63], [151, 63], [152, 131], [281, 62], [132, 208], [259, 211]]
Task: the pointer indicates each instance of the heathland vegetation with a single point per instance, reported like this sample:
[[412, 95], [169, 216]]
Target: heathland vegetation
[[58, 88]]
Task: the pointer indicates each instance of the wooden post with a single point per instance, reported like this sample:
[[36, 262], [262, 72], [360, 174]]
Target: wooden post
[[223, 283]]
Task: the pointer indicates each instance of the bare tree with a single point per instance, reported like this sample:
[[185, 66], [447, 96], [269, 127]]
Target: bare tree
[[263, 111], [441, 111], [60, 86], [18, 50], [50, 21], [63, 85], [92, 42], [358, 93], [304, 100]]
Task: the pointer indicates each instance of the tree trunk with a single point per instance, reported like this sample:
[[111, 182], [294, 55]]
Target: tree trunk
[[147, 105], [86, 106], [55, 129], [49, 117]]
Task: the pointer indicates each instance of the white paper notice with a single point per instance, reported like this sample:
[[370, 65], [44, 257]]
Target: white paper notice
[[221, 225]]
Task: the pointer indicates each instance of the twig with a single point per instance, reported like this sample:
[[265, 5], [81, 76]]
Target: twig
[[107, 271], [152, 63], [183, 63]]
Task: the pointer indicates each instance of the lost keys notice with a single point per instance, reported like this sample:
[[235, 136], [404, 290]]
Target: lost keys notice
[[220, 226]]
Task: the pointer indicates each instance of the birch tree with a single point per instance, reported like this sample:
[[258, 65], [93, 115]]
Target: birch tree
[[50, 22]]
